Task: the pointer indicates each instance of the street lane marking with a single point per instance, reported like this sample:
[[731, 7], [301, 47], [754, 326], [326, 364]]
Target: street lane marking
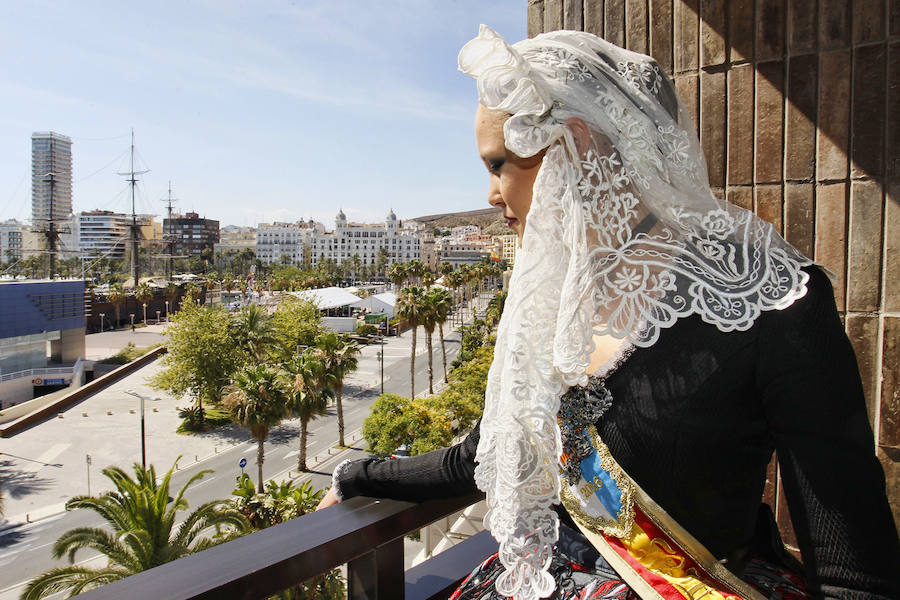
[[33, 466]]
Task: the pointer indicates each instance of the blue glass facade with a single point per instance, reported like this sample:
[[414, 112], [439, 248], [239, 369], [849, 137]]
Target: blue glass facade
[[29, 307]]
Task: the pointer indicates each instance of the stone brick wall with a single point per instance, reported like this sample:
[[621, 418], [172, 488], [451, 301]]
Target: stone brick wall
[[797, 104]]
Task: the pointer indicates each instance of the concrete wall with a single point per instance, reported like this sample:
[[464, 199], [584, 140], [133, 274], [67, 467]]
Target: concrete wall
[[797, 105], [69, 347], [17, 391]]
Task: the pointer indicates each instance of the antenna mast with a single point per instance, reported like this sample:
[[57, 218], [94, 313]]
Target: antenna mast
[[135, 228]]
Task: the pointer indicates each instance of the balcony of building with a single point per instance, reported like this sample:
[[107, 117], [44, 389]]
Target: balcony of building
[[363, 533]]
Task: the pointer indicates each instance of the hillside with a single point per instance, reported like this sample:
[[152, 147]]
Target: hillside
[[490, 220]]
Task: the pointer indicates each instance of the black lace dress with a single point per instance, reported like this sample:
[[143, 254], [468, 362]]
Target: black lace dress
[[694, 420]]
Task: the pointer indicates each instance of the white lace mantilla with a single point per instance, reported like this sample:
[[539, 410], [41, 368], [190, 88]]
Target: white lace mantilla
[[623, 238]]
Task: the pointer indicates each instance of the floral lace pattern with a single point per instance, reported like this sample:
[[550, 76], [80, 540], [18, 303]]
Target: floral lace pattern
[[623, 238], [641, 75]]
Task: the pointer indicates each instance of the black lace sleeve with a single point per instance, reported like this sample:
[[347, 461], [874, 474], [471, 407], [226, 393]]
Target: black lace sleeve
[[835, 487], [441, 473]]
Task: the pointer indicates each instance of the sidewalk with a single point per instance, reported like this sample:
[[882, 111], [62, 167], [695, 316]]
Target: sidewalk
[[98, 346]]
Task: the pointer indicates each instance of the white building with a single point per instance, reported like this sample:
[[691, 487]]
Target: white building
[[236, 238], [11, 240], [462, 231], [106, 233], [51, 177], [278, 239], [506, 246], [367, 240], [308, 240]]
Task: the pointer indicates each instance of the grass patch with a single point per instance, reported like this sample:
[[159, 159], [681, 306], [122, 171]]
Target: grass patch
[[128, 354], [213, 418]]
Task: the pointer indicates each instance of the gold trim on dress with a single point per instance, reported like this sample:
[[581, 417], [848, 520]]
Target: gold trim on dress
[[631, 494], [622, 527]]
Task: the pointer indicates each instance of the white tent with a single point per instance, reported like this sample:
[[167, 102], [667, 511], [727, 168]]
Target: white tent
[[327, 298], [379, 303]]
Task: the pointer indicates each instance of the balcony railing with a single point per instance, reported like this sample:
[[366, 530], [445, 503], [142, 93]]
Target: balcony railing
[[364, 533]]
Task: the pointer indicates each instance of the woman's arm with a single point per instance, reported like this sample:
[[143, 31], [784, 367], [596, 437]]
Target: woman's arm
[[834, 484], [441, 473]]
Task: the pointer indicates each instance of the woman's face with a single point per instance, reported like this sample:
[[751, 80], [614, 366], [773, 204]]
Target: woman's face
[[511, 177]]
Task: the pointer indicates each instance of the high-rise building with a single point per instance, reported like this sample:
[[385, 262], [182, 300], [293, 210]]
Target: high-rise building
[[51, 178]]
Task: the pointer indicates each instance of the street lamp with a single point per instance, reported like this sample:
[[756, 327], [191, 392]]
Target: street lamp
[[101, 322], [143, 430], [157, 317], [145, 313], [167, 311]]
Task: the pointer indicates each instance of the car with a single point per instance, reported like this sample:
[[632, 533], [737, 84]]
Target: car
[[401, 452]]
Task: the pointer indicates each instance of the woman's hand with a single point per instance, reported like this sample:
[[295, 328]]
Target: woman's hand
[[328, 500]]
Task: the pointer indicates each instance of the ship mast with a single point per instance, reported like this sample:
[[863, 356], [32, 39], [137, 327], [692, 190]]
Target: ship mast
[[135, 228], [169, 237]]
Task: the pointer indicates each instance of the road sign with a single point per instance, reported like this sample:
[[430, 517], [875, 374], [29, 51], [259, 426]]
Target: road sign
[[243, 463]]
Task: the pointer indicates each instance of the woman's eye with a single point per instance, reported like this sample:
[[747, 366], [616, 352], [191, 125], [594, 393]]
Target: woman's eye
[[494, 166]]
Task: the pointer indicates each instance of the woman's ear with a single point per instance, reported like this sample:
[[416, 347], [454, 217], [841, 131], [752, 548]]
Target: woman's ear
[[581, 133]]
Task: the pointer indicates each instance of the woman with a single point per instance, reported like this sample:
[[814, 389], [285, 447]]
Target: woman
[[656, 346]]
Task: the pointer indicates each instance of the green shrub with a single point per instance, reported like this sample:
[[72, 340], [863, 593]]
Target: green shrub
[[195, 419], [366, 329], [128, 354], [430, 422]]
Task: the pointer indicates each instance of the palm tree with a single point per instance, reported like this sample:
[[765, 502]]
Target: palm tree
[[465, 272], [144, 531], [495, 308], [381, 262], [306, 385], [397, 274], [428, 321], [256, 400], [409, 307], [252, 330], [192, 291], [243, 286], [428, 279], [171, 294], [416, 268], [441, 304], [116, 297], [144, 294], [354, 263], [454, 281], [339, 356]]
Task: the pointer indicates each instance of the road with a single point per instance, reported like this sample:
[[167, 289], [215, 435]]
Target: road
[[25, 549]]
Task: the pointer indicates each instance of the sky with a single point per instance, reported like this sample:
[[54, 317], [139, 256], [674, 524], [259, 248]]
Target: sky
[[255, 111]]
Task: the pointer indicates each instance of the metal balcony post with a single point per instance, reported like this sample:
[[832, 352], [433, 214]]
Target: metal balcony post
[[377, 575]]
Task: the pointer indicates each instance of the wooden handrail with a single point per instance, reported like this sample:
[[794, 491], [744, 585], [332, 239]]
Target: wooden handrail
[[365, 533]]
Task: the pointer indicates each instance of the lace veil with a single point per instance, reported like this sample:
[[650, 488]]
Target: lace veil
[[623, 238]]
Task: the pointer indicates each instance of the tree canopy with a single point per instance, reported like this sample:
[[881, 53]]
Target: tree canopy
[[201, 354]]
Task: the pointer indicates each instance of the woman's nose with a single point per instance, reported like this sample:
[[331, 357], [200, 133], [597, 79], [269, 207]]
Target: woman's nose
[[495, 198]]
